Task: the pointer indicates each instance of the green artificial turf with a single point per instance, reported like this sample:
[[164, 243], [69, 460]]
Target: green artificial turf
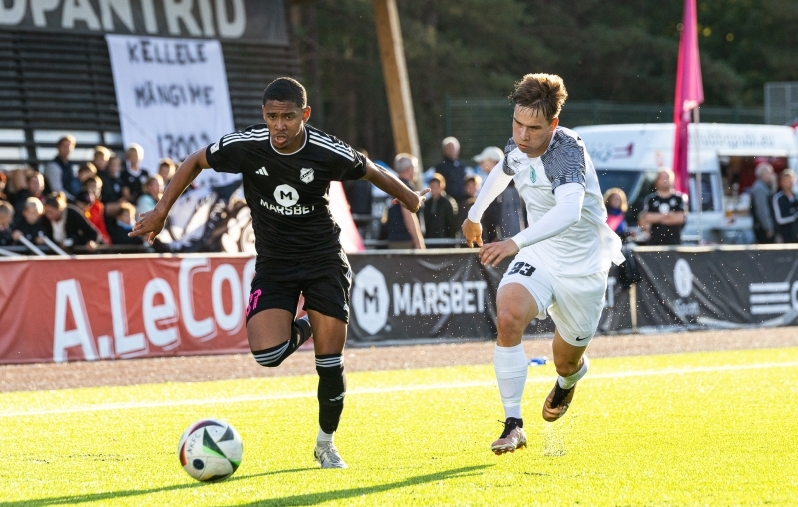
[[716, 428]]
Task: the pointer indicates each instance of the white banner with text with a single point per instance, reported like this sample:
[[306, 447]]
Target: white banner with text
[[172, 96]]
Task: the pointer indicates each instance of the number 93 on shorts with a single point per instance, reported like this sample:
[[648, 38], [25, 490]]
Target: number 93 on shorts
[[574, 303]]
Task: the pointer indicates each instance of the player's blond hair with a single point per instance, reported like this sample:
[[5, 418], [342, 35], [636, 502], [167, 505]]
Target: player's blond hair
[[543, 93]]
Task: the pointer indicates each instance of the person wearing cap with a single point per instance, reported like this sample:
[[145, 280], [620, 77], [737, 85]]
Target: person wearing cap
[[505, 216]]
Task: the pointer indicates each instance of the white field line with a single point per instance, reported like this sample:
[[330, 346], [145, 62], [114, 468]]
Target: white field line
[[382, 390]]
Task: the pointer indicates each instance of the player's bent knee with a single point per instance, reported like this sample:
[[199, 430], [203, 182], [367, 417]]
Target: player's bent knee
[[510, 322]]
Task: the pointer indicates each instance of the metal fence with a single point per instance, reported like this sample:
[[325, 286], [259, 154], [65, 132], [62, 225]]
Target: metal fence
[[479, 122], [781, 103]]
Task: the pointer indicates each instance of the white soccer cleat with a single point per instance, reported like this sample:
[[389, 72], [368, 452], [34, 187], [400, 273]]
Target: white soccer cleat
[[327, 455]]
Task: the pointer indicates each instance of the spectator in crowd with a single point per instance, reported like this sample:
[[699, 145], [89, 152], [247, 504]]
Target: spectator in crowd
[[70, 226], [617, 205], [472, 185], [440, 211], [3, 183], [6, 219], [761, 210], [35, 188], [166, 169], [59, 172], [664, 211], [505, 216], [153, 189], [785, 209], [403, 228], [33, 225], [123, 225], [86, 171], [100, 158], [93, 210], [452, 170], [112, 188], [133, 175]]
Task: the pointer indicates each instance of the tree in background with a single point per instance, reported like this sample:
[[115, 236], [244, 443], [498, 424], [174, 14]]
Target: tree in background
[[614, 50]]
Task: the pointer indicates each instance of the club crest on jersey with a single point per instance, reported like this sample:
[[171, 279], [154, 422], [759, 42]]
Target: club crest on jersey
[[306, 175], [533, 176]]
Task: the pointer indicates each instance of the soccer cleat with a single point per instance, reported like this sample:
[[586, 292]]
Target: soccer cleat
[[513, 437], [327, 455], [557, 402]]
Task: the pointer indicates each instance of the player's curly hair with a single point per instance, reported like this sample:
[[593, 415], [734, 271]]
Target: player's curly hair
[[286, 89], [544, 93]]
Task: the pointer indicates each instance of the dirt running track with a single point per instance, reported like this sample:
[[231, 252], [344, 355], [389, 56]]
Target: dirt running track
[[203, 368]]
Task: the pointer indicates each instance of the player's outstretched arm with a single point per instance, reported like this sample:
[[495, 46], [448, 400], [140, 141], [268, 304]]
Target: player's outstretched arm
[[152, 222], [391, 185]]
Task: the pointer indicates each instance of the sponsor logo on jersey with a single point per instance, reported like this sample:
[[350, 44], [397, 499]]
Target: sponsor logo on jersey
[[286, 195], [262, 171], [306, 174]]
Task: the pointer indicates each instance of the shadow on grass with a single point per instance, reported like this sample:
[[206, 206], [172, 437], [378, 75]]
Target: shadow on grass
[[306, 499], [77, 499], [341, 494]]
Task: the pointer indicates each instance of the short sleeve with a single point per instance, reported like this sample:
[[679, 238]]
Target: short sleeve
[[348, 164], [564, 162], [647, 203], [224, 156]]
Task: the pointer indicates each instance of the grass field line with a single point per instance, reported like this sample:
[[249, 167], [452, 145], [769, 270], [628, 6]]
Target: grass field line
[[387, 389]]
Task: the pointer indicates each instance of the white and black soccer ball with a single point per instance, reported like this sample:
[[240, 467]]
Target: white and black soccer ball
[[210, 450]]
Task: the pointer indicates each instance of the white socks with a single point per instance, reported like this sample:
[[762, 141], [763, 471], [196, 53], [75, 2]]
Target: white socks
[[511, 367], [324, 437], [568, 382]]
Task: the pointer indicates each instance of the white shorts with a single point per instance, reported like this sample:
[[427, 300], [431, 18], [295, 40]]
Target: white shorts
[[575, 304]]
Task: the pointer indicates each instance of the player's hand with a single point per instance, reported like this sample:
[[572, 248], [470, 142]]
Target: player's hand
[[493, 253], [472, 233], [419, 198], [151, 222]]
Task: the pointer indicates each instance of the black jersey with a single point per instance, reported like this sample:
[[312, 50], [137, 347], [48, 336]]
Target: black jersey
[[664, 234], [288, 194]]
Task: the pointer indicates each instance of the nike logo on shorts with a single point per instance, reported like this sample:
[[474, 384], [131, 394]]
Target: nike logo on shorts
[[580, 339]]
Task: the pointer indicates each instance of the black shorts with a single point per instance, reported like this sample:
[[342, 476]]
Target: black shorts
[[325, 282]]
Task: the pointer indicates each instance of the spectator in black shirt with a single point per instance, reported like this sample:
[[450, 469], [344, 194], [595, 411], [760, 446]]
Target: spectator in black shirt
[[785, 208], [664, 212], [32, 223], [133, 175], [123, 225], [6, 219], [440, 211], [35, 188], [70, 226], [452, 170]]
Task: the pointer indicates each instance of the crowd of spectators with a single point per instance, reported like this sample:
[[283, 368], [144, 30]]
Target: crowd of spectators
[[454, 187], [79, 205]]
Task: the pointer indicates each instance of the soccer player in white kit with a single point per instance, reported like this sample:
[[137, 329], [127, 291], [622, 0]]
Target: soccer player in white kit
[[562, 258]]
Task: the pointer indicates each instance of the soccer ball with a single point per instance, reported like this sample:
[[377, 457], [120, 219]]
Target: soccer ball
[[210, 450]]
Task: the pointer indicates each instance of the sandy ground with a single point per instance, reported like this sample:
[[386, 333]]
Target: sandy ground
[[203, 368]]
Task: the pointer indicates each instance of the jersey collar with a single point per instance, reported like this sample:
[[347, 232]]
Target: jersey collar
[[304, 131]]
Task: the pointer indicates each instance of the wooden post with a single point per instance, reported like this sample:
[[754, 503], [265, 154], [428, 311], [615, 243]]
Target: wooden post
[[394, 71]]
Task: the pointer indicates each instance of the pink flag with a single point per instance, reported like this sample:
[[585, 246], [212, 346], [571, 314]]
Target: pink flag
[[339, 207], [689, 92]]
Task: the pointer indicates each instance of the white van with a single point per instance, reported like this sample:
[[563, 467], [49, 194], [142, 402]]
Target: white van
[[628, 157]]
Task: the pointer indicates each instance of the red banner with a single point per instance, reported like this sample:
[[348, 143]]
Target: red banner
[[103, 307]]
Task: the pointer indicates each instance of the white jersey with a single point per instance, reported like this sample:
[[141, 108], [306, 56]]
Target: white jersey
[[589, 246]]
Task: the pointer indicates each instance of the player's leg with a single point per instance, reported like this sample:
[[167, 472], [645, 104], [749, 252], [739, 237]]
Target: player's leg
[[272, 332], [327, 304], [515, 308], [576, 313]]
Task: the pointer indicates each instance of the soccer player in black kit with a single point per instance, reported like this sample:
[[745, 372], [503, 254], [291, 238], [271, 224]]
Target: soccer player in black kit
[[287, 167]]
